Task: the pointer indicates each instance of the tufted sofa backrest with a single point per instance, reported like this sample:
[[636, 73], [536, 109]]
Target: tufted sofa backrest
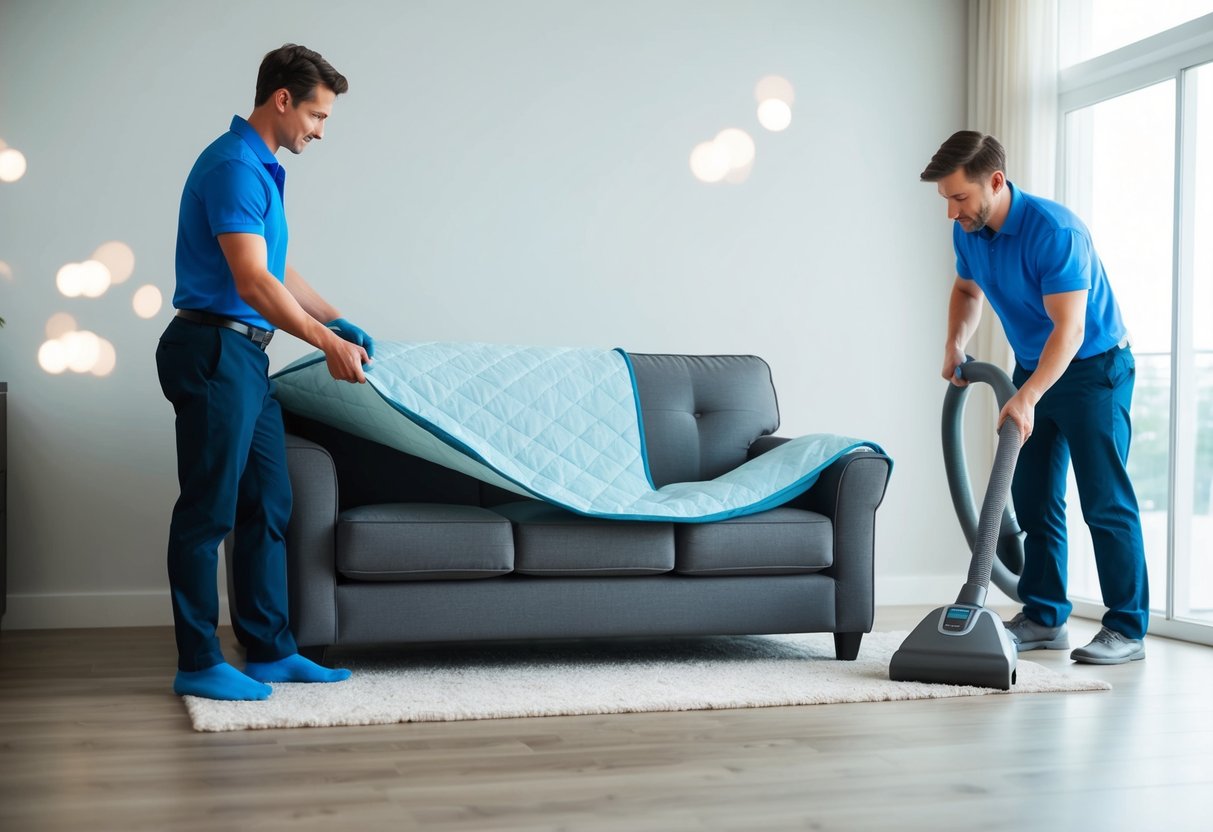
[[701, 413]]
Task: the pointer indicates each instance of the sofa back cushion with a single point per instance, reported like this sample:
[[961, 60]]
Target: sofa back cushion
[[369, 473], [702, 412]]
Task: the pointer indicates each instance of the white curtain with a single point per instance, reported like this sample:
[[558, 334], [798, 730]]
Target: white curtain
[[1013, 70], [1013, 66]]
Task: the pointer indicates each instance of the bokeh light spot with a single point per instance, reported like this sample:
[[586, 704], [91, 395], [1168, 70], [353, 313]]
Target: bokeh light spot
[[52, 357], [70, 280], [107, 359], [90, 279], [709, 162], [12, 164], [59, 325], [83, 349], [147, 301], [95, 279], [738, 144], [80, 351], [118, 258], [776, 87], [774, 115]]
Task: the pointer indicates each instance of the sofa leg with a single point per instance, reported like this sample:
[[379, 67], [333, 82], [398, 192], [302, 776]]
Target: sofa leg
[[315, 652], [846, 646]]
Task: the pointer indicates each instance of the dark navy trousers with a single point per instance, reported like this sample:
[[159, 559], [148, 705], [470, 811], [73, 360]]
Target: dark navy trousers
[[231, 465], [1082, 420]]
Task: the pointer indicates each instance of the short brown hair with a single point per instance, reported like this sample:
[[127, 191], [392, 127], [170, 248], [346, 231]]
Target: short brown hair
[[299, 71], [979, 155]]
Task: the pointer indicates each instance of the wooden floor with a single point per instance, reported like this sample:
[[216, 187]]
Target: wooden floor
[[91, 738]]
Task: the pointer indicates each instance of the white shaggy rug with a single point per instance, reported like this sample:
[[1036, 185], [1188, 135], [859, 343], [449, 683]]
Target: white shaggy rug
[[443, 683]]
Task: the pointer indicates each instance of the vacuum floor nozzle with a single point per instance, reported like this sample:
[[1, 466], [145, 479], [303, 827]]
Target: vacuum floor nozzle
[[959, 644]]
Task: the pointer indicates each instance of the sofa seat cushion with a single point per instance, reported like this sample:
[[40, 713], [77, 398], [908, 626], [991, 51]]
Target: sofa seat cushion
[[422, 542], [549, 540], [781, 541]]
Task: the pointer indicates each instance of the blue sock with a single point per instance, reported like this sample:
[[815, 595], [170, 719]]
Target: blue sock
[[221, 681], [294, 668]]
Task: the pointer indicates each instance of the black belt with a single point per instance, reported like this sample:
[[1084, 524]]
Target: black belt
[[260, 337], [1124, 344]]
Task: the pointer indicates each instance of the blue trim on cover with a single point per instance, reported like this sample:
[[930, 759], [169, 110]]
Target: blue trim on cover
[[644, 446], [773, 501]]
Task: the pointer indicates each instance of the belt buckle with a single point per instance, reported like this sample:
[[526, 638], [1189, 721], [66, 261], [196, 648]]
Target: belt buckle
[[260, 337]]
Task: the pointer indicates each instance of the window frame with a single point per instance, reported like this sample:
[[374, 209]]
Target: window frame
[[1167, 55]]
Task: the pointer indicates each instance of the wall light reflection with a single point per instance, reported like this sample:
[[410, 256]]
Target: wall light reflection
[[777, 87], [118, 258], [107, 359], [52, 357], [729, 157], [774, 115], [738, 144], [90, 279], [147, 301], [80, 351], [709, 162], [59, 325], [12, 164], [83, 348]]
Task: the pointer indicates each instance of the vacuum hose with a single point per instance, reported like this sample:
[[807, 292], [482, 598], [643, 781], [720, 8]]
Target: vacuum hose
[[997, 547]]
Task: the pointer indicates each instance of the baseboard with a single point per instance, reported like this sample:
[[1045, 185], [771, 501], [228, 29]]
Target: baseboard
[[56, 611]]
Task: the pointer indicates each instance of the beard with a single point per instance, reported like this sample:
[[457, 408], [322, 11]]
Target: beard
[[977, 222]]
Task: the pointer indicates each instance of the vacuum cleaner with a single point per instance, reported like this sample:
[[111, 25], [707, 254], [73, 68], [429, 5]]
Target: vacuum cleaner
[[964, 643], [1007, 567]]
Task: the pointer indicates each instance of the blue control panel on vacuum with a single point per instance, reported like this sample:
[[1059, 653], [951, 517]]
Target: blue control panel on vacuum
[[957, 619]]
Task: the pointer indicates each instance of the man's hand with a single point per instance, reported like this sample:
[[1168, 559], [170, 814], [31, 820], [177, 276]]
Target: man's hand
[[345, 360], [1021, 410], [964, 313], [954, 357], [353, 334]]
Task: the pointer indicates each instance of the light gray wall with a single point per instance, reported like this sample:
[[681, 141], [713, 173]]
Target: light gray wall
[[512, 172]]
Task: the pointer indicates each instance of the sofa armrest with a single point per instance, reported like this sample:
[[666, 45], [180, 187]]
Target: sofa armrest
[[311, 540], [848, 492]]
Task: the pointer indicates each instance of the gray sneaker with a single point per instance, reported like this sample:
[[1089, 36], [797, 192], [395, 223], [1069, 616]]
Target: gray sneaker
[[1028, 635], [1110, 647]]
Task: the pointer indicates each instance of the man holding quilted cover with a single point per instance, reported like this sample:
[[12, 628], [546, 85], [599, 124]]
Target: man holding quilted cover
[[234, 288]]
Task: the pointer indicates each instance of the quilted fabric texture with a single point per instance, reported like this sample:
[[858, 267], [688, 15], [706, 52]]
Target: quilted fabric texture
[[560, 424]]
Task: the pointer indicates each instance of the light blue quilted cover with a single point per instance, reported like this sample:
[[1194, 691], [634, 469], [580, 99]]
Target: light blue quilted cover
[[560, 424]]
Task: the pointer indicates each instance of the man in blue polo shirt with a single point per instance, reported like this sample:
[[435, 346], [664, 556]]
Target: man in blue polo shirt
[[234, 288], [1034, 260]]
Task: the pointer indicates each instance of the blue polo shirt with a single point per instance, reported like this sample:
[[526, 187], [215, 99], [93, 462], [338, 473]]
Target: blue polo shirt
[[235, 186], [1043, 248]]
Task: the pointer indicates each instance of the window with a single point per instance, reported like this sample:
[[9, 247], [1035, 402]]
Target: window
[[1137, 165], [1096, 27]]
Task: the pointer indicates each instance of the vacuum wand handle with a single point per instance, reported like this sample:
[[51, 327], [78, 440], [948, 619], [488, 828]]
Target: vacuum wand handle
[[985, 547]]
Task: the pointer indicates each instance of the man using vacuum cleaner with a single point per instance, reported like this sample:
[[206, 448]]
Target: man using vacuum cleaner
[[1034, 260]]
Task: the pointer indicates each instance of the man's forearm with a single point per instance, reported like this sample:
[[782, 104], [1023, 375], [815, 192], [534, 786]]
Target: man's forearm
[[964, 314], [278, 306], [1059, 350], [308, 298], [1067, 311]]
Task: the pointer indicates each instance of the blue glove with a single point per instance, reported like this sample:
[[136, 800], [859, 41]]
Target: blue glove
[[353, 334]]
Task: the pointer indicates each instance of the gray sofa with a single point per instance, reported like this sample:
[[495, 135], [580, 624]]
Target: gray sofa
[[384, 547]]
